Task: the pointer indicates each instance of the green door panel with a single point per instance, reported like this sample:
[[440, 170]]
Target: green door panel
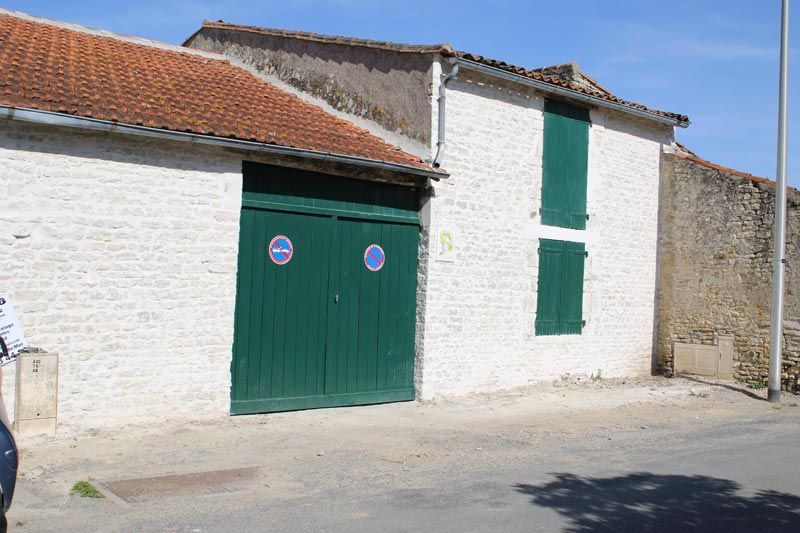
[[323, 330], [279, 342], [369, 346], [565, 165], [319, 193]]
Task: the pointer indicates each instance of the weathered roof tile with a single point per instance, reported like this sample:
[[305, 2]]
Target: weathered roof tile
[[50, 67]]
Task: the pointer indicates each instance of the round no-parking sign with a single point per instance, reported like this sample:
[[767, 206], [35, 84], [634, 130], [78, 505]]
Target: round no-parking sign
[[280, 250], [374, 257]]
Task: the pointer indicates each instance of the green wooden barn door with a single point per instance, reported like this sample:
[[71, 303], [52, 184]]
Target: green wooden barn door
[[279, 345], [370, 350], [326, 323]]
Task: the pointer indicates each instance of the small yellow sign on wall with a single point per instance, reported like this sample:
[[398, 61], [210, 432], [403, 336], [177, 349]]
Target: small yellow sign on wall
[[446, 243]]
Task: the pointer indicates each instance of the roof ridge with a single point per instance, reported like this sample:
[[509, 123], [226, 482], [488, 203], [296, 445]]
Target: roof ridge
[[593, 80], [572, 64], [572, 69], [111, 35], [325, 38], [585, 85]]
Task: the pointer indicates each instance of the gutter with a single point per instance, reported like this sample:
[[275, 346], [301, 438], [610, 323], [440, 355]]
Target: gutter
[[568, 93], [440, 142], [70, 121]]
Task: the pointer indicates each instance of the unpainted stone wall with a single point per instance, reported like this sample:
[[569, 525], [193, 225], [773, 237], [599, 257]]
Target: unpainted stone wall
[[480, 310], [391, 88], [119, 254], [716, 250]]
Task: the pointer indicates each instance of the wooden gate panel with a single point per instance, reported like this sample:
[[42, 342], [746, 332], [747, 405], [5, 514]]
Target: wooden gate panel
[[279, 346], [323, 329]]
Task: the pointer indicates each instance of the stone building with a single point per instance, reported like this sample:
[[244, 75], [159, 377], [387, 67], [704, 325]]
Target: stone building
[[265, 224], [122, 174], [715, 268], [552, 201]]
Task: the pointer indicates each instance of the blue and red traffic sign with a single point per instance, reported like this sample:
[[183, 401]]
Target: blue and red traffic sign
[[280, 250], [374, 257]]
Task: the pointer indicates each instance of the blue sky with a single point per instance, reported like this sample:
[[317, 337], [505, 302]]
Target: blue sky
[[714, 60]]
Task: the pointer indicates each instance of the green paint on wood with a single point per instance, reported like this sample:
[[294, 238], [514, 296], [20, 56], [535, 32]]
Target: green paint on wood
[[559, 308], [565, 165], [323, 329]]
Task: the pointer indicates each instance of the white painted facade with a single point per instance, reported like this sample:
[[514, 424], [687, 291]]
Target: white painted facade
[[119, 254], [479, 311]]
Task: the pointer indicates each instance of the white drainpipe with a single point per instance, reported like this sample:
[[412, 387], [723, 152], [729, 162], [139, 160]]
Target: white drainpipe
[[437, 161]]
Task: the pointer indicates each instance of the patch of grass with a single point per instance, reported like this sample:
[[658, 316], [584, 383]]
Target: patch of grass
[[86, 490], [597, 377], [698, 394], [758, 384], [793, 404]]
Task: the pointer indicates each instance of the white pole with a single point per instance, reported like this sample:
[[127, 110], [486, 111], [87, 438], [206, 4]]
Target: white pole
[[776, 329]]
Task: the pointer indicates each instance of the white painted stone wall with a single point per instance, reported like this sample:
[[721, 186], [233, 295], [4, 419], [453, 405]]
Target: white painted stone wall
[[119, 254], [480, 310]]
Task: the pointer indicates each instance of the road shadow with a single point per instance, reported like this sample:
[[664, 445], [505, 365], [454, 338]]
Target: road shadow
[[644, 502], [730, 386]]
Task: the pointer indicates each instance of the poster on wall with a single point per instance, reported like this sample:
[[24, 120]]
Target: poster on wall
[[446, 242], [10, 331]]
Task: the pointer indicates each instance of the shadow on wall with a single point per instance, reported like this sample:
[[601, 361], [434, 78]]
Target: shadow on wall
[[644, 502]]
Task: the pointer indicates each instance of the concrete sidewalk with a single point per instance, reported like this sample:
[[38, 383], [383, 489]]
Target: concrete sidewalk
[[316, 470]]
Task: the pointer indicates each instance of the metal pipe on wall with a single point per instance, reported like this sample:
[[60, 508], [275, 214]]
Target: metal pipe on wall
[[779, 259], [440, 142]]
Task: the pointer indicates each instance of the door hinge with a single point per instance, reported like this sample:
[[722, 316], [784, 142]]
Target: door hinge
[[585, 254]]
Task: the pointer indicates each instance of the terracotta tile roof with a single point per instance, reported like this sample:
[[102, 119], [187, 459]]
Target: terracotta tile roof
[[544, 75], [567, 76], [60, 68], [330, 39]]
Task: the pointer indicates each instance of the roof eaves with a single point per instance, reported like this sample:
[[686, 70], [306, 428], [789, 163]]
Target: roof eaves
[[51, 118], [496, 67]]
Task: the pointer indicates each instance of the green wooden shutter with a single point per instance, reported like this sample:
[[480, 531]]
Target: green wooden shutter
[[559, 309], [549, 291], [571, 316], [565, 165]]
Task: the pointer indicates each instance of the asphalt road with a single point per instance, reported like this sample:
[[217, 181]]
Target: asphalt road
[[707, 480], [726, 462]]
